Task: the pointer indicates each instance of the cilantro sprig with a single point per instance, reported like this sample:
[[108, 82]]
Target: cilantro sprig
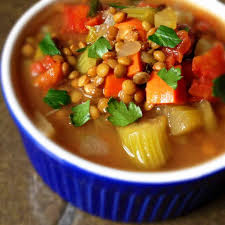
[[57, 98], [80, 114], [99, 48], [121, 115], [171, 77], [166, 37], [219, 87], [48, 46], [117, 6], [94, 7], [81, 49]]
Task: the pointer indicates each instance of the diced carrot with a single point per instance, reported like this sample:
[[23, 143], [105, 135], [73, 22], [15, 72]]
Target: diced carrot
[[211, 64], [94, 21], [136, 65], [76, 18], [133, 24], [159, 92], [113, 86], [175, 55], [50, 78]]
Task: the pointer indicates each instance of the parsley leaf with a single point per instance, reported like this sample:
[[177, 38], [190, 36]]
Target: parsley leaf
[[171, 77], [99, 48], [165, 36], [48, 46], [94, 7], [219, 87], [57, 98], [81, 114], [187, 28], [121, 115], [117, 6], [81, 49]]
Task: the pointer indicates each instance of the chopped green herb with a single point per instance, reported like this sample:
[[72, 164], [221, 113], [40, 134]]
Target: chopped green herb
[[81, 49], [171, 77], [219, 87], [117, 5], [99, 48], [121, 115], [81, 114], [165, 36], [48, 46], [94, 7], [187, 29], [57, 98]]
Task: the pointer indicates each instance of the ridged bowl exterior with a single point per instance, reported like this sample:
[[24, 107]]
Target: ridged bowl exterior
[[119, 200]]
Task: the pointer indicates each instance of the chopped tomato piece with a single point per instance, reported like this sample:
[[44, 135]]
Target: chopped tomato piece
[[211, 64], [133, 24], [94, 21], [50, 78], [159, 92], [76, 18], [136, 65], [113, 86], [175, 55]]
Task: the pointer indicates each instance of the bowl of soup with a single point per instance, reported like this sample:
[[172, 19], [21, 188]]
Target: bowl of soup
[[121, 106]]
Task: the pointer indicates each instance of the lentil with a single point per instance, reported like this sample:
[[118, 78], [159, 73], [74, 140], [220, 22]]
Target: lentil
[[141, 78], [72, 60], [120, 70], [83, 80], [129, 87], [119, 17], [125, 60], [74, 74], [139, 96], [27, 50], [148, 106], [154, 45], [98, 81], [103, 104], [92, 90], [109, 55], [58, 58], [146, 25], [65, 68], [112, 10], [158, 66], [159, 56], [112, 63], [112, 33], [92, 72], [81, 44], [125, 97], [67, 51], [103, 69], [76, 96]]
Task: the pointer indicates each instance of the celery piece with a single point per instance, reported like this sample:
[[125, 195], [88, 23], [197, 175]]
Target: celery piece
[[166, 17], [203, 45], [146, 143], [209, 116], [84, 63], [143, 14], [183, 119]]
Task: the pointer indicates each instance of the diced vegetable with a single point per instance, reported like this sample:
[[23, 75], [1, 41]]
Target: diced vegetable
[[184, 17], [84, 63], [166, 17], [143, 14], [203, 45], [50, 78], [92, 35], [113, 86], [209, 117], [175, 55], [146, 143], [211, 64], [183, 119], [94, 21], [159, 92], [76, 18], [128, 48], [136, 65], [133, 24]]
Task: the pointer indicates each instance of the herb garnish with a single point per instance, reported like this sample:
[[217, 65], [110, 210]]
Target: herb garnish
[[165, 36], [121, 115], [48, 46], [57, 98], [81, 114], [219, 87], [117, 5], [81, 49], [171, 77], [94, 7], [99, 48]]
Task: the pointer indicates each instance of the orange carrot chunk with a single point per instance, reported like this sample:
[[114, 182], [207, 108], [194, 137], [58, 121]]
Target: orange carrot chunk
[[113, 86], [94, 21], [159, 92], [136, 65], [50, 78], [133, 24]]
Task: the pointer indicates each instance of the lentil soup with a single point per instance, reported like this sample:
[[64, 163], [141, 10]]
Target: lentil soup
[[130, 85]]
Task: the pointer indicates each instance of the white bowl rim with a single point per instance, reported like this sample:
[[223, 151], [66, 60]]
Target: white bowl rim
[[182, 175]]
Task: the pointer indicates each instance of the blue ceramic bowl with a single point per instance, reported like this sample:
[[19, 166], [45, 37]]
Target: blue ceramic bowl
[[109, 193]]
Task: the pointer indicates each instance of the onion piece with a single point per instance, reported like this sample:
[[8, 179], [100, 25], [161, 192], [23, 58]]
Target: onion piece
[[128, 48], [44, 125]]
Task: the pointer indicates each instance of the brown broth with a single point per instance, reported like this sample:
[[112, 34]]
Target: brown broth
[[187, 151]]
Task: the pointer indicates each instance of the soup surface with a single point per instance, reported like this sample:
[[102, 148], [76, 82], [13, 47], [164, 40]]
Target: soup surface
[[130, 85]]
